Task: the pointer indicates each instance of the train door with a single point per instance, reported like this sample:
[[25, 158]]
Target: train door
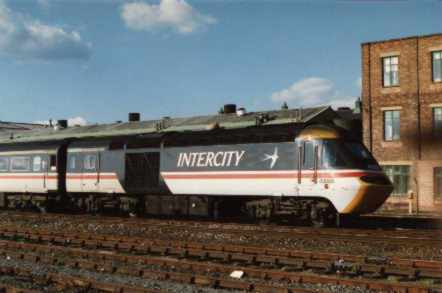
[[142, 171], [308, 168], [44, 169], [90, 177], [61, 168], [74, 172], [39, 184]]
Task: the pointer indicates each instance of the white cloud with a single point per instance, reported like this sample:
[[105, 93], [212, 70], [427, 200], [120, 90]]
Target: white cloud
[[311, 92], [307, 91], [177, 15], [27, 38], [77, 121]]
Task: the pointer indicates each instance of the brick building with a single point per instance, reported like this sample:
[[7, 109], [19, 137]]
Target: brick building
[[402, 117]]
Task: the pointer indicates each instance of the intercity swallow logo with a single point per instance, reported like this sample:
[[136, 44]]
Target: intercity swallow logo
[[274, 157]]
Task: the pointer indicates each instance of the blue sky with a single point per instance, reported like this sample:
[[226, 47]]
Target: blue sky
[[100, 59]]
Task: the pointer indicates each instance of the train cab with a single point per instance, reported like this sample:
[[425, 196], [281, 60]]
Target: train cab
[[332, 165]]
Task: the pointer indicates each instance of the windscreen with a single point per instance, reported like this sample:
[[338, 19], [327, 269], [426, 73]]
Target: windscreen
[[338, 154]]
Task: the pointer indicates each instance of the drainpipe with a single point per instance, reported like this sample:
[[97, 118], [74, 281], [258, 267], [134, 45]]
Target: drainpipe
[[418, 102], [419, 131], [370, 115]]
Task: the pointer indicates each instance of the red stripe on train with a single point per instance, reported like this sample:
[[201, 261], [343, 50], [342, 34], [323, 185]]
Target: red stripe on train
[[78, 177], [288, 175], [40, 177]]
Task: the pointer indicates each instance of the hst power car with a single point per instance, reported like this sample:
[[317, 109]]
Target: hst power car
[[314, 172]]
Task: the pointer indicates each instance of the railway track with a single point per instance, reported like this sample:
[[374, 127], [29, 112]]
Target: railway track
[[411, 237], [56, 282], [124, 255]]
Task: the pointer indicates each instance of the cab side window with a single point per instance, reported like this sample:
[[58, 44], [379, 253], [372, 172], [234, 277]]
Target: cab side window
[[308, 159]]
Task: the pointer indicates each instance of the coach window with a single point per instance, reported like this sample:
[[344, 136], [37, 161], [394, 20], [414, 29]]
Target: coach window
[[44, 164], [20, 164], [73, 162], [36, 164], [390, 71], [437, 66], [392, 125], [4, 164], [90, 162]]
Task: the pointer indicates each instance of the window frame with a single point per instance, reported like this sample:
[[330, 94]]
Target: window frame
[[86, 167], [433, 53], [305, 158], [74, 166], [390, 79], [391, 175], [39, 169], [437, 194], [384, 116], [44, 164], [437, 132]]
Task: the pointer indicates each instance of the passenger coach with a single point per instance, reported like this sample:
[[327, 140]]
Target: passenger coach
[[31, 170]]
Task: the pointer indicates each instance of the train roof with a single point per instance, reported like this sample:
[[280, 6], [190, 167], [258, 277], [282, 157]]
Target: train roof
[[6, 126], [165, 125]]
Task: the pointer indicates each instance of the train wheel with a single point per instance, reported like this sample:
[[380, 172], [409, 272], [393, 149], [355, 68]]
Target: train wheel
[[322, 217]]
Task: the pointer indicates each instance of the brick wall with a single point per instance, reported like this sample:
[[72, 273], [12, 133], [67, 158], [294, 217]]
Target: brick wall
[[414, 97]]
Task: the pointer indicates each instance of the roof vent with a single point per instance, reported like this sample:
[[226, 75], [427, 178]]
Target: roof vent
[[344, 109], [134, 117], [61, 124], [229, 108], [241, 112]]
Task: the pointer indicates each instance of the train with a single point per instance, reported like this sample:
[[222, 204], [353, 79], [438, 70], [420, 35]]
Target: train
[[314, 172]]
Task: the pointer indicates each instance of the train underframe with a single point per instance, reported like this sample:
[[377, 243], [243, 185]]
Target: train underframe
[[316, 210]]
